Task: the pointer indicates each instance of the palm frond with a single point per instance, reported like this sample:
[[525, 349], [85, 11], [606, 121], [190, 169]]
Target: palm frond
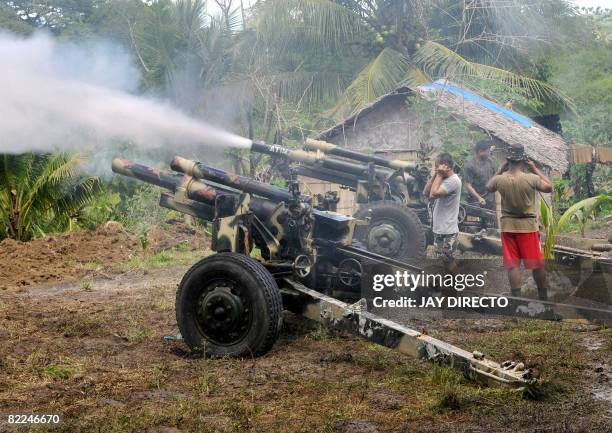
[[442, 62], [550, 228], [383, 75], [77, 196], [189, 17], [322, 24], [416, 76], [314, 86], [62, 167], [46, 187]]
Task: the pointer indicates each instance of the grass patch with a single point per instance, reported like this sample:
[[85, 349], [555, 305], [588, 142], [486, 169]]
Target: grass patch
[[206, 383], [138, 334], [82, 325], [378, 358], [243, 412], [43, 363], [162, 304], [86, 284], [136, 331], [164, 259], [447, 383], [95, 265], [58, 372], [159, 375], [549, 347], [606, 333], [320, 333], [3, 305]]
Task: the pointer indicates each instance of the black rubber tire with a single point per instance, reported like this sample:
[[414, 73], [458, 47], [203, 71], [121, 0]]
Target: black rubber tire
[[265, 300], [413, 236]]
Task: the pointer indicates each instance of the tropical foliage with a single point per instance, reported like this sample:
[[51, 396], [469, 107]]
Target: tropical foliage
[[582, 212], [39, 193], [278, 70]]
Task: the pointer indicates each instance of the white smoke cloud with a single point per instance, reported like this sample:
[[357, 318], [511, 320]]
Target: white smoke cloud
[[63, 96]]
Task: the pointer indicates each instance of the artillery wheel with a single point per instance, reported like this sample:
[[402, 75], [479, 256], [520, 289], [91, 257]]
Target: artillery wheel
[[228, 304], [394, 231]]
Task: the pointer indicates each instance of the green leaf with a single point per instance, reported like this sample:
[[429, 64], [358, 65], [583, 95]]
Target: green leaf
[[544, 214], [382, 75], [39, 193], [442, 62], [587, 207], [319, 24]]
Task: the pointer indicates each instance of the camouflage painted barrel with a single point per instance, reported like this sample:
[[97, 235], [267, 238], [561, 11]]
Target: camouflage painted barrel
[[317, 159], [200, 170], [333, 149], [194, 189]]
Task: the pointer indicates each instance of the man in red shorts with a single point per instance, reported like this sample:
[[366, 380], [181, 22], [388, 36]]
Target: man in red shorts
[[519, 227]]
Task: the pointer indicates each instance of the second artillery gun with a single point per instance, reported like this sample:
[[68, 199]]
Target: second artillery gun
[[230, 303], [387, 191]]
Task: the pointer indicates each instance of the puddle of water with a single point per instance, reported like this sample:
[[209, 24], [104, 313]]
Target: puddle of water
[[593, 343], [604, 393], [601, 391]]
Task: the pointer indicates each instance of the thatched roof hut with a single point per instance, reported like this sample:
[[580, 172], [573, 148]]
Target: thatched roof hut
[[389, 125]]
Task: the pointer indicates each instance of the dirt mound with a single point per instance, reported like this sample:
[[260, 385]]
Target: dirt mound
[[64, 256], [175, 233], [68, 256]]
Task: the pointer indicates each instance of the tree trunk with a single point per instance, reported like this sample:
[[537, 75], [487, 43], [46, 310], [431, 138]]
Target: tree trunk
[[590, 169], [13, 226]]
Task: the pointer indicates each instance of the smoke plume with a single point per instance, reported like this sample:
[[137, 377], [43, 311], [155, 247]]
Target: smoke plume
[[61, 96]]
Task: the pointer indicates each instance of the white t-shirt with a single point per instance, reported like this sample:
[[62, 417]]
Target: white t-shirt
[[446, 209]]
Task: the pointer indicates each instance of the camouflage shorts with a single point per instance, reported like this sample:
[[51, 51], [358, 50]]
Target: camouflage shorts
[[445, 246]]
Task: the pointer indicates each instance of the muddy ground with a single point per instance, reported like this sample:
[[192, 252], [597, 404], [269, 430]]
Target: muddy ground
[[95, 343]]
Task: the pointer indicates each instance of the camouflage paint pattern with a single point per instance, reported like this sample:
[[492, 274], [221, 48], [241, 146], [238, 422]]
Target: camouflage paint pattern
[[334, 149], [352, 318], [200, 170]]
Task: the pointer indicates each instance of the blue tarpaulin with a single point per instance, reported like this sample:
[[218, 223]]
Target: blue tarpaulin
[[472, 97]]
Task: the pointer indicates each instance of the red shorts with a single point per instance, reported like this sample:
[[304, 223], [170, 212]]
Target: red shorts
[[522, 246]]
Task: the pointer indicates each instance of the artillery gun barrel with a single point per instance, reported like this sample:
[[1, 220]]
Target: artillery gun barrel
[[333, 149], [200, 170], [194, 189], [315, 159], [291, 154], [327, 175], [162, 178]]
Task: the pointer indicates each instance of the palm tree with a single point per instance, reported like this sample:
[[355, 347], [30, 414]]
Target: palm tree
[[41, 192], [183, 51], [407, 42]]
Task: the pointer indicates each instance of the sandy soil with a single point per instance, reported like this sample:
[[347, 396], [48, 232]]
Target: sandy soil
[[104, 355]]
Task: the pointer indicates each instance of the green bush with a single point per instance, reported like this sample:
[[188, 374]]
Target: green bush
[[42, 193]]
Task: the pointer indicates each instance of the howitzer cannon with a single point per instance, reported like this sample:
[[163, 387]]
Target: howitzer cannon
[[388, 192], [392, 200], [230, 304], [485, 218]]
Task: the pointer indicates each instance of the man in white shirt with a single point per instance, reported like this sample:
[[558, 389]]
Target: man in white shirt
[[445, 187]]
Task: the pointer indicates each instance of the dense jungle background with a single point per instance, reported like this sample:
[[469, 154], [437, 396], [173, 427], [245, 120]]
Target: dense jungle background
[[281, 70]]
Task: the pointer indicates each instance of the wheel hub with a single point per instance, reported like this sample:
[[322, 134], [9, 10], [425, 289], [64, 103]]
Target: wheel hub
[[222, 313], [384, 239]]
